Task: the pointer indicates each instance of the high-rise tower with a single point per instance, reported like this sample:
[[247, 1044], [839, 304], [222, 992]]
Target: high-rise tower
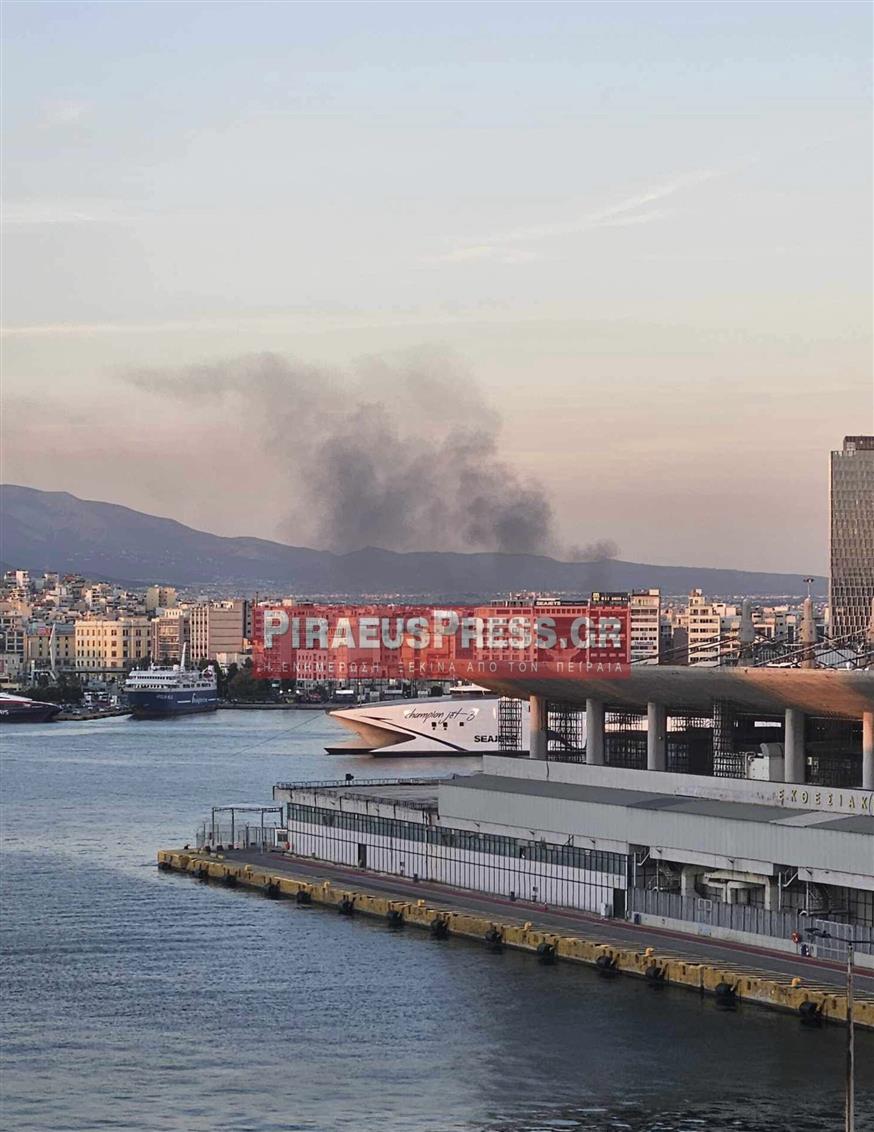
[[851, 545]]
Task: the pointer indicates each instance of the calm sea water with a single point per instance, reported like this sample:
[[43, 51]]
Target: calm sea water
[[139, 1000]]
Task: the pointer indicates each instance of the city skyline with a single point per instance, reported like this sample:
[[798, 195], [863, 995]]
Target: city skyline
[[437, 501], [641, 233]]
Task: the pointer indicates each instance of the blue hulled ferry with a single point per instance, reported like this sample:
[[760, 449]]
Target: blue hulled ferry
[[155, 693]]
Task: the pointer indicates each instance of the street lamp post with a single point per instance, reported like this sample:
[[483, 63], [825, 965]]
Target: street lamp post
[[851, 1044], [850, 1103]]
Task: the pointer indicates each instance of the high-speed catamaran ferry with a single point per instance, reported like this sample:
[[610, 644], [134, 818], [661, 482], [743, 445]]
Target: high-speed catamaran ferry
[[466, 723]]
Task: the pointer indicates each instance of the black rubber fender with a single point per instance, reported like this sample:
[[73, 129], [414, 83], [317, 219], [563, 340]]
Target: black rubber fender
[[546, 952], [655, 975], [493, 938], [810, 1014], [439, 928], [726, 996]]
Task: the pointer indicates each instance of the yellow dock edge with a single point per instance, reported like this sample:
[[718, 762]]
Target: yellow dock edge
[[748, 985]]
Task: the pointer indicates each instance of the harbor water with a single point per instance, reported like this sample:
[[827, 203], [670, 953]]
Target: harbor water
[[138, 1000]]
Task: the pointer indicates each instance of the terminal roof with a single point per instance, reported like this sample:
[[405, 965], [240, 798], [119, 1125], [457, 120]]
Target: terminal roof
[[646, 800], [769, 690]]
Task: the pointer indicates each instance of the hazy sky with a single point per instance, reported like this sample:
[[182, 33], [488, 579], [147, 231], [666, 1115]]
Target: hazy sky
[[643, 231]]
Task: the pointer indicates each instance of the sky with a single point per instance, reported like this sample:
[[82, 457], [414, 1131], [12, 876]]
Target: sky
[[636, 239]]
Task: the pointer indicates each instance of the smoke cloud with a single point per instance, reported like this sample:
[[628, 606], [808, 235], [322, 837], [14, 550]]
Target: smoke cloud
[[601, 550], [403, 457]]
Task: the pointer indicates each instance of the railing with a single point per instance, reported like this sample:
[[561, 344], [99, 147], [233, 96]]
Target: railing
[[829, 938], [342, 783], [238, 836], [753, 919]]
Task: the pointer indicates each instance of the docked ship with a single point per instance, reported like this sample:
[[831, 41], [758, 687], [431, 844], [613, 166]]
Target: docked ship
[[20, 709], [466, 723], [156, 693]]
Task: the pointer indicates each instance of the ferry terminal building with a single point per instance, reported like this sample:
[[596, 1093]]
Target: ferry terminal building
[[735, 803]]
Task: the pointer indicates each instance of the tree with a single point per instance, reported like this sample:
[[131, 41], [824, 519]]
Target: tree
[[221, 678], [67, 690], [246, 689]]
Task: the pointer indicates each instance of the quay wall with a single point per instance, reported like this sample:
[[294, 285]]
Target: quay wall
[[748, 985]]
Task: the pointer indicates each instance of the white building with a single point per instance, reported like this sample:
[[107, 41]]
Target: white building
[[645, 608], [713, 630]]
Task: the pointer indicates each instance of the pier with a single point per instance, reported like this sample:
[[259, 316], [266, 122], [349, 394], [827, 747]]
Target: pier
[[731, 974]]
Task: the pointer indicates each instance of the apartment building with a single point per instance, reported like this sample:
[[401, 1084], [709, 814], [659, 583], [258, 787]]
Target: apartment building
[[778, 623], [160, 597], [216, 627], [713, 630], [645, 609], [12, 633], [51, 647], [171, 632], [110, 647]]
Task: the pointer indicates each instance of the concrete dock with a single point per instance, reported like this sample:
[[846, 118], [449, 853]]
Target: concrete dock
[[730, 972]]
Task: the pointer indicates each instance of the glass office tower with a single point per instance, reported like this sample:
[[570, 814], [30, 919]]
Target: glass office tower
[[851, 589]]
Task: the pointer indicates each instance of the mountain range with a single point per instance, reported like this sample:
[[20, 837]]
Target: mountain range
[[53, 530]]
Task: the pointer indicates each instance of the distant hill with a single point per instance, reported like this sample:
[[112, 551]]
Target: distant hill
[[53, 530]]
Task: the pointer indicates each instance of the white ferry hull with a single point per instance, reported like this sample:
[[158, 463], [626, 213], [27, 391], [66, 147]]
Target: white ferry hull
[[423, 728]]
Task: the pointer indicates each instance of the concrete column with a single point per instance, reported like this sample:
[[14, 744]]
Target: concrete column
[[537, 728], [595, 732], [772, 895], [776, 764], [656, 737], [793, 744], [868, 750]]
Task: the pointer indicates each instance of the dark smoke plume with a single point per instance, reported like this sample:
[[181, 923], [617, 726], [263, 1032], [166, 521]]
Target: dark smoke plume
[[601, 550], [404, 458]]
